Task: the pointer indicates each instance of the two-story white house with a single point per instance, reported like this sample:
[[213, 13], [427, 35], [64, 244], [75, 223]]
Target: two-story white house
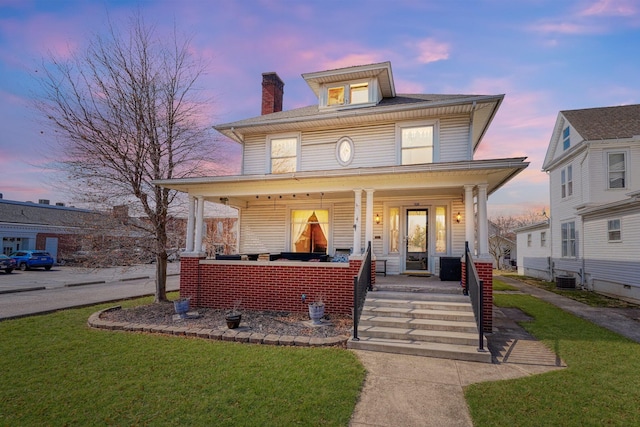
[[363, 164], [594, 228]]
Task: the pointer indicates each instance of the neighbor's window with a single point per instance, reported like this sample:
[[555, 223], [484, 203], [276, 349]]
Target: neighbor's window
[[394, 230], [613, 228], [543, 239], [310, 230], [568, 239], [529, 240], [284, 155], [566, 140], [566, 181], [617, 170], [416, 145], [441, 229]]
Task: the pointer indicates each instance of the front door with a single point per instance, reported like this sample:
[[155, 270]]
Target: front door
[[416, 240]]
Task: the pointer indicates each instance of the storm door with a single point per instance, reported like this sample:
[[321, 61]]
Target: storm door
[[416, 239]]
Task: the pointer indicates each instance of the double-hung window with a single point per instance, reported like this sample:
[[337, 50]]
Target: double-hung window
[[566, 139], [417, 144], [566, 181], [617, 169], [283, 154], [543, 239], [613, 230], [568, 230]]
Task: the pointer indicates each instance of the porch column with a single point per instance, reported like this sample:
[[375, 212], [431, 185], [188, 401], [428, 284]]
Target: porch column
[[191, 223], [483, 227], [368, 230], [199, 224], [468, 217], [357, 224]]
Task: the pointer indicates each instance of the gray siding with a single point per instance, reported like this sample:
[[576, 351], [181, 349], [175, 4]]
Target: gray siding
[[622, 272]]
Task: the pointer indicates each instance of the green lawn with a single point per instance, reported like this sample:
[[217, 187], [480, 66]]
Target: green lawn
[[499, 285], [586, 297], [601, 385], [56, 371]]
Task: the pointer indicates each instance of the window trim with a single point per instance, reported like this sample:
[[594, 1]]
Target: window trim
[[610, 230], [543, 239], [570, 250], [607, 155], [566, 182], [268, 158], [310, 207], [529, 239], [339, 143], [566, 138], [346, 90], [435, 146]]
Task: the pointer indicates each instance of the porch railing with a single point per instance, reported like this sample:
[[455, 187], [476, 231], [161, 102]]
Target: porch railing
[[361, 284], [474, 288]]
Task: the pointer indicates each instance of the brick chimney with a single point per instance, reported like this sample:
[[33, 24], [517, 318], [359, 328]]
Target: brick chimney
[[272, 91]]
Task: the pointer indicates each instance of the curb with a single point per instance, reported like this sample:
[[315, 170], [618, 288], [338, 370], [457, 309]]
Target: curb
[[240, 336]]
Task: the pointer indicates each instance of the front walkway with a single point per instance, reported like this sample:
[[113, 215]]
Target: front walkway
[[421, 391]]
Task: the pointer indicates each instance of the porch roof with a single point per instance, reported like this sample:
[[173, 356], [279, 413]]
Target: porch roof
[[424, 180]]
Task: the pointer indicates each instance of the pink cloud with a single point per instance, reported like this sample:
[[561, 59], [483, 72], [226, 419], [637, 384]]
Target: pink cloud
[[565, 28], [611, 8], [431, 50]]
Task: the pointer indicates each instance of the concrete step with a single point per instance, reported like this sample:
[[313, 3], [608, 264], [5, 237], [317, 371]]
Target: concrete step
[[427, 324], [419, 304], [415, 313], [454, 290], [418, 348], [423, 335], [418, 296]]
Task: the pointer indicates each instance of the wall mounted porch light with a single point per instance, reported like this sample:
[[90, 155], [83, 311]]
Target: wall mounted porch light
[[458, 218], [377, 219]]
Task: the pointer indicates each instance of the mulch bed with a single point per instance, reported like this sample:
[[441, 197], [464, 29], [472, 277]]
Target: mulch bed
[[264, 322]]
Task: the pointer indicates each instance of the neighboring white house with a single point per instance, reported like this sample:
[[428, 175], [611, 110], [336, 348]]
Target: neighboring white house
[[534, 250], [363, 164], [593, 161]]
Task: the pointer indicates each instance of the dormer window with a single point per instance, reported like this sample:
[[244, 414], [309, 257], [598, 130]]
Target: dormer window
[[348, 94]]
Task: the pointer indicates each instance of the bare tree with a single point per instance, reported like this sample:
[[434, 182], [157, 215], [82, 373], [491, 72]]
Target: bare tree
[[502, 236], [126, 112]]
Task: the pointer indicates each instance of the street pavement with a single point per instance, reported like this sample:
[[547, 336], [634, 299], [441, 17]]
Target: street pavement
[[38, 291]]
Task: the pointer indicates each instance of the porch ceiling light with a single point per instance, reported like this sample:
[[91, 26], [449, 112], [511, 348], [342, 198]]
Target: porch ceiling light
[[377, 219], [458, 218]]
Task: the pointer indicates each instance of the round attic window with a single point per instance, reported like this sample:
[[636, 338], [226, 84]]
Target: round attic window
[[344, 151]]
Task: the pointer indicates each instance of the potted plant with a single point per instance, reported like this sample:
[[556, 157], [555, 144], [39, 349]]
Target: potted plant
[[234, 316], [181, 306], [316, 310]]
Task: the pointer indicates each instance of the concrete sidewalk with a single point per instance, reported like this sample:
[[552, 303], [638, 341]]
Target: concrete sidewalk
[[416, 391]]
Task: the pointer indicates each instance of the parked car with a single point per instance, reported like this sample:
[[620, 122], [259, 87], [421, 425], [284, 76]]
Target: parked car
[[30, 259], [7, 264]]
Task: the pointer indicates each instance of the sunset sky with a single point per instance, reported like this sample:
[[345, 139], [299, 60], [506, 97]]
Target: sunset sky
[[544, 55]]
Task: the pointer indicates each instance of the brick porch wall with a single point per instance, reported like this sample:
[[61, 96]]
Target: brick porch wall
[[274, 285], [485, 273]]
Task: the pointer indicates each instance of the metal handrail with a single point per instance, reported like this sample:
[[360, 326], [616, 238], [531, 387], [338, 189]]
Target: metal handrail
[[361, 284], [474, 288]]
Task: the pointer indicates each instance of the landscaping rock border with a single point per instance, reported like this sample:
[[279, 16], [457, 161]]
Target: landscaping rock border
[[241, 335]]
